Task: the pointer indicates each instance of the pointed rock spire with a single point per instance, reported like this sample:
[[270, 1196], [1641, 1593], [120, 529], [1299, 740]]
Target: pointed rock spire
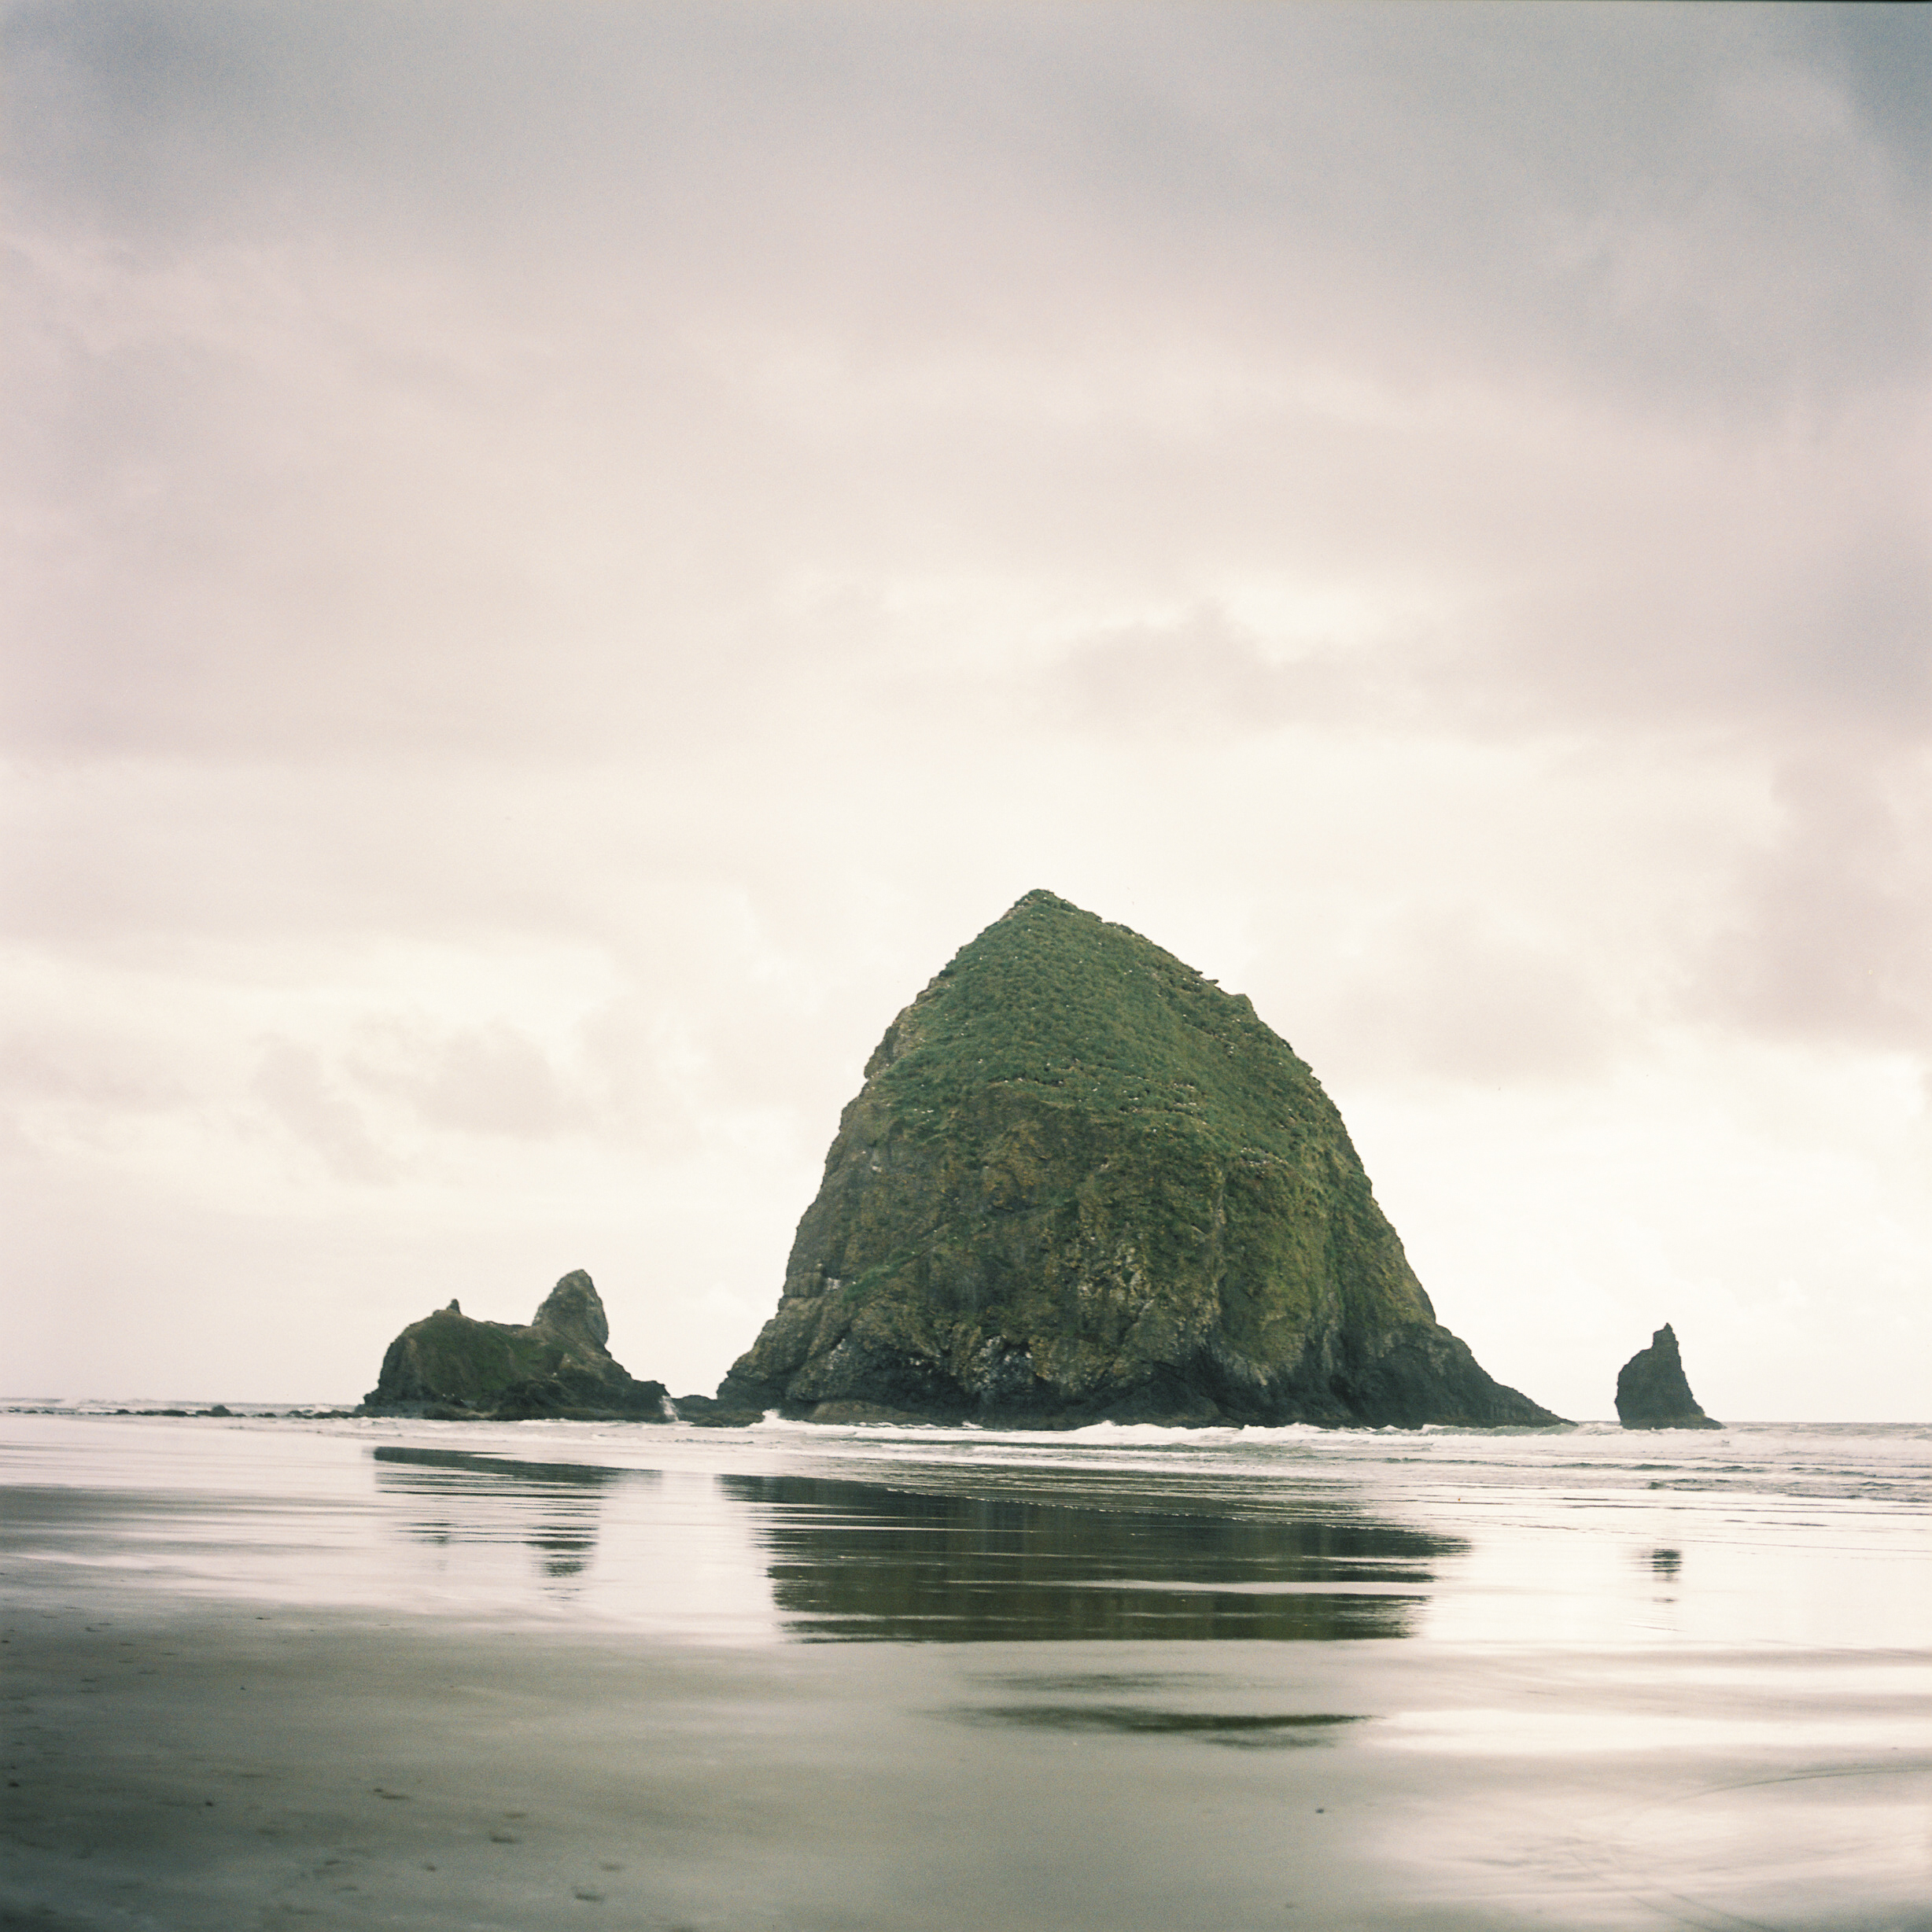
[[1651, 1391]]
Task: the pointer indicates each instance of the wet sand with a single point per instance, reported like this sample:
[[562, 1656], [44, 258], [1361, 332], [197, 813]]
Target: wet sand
[[187, 1756]]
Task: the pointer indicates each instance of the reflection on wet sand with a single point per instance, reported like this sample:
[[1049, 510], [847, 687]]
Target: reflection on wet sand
[[1242, 1728], [851, 1560], [553, 1507]]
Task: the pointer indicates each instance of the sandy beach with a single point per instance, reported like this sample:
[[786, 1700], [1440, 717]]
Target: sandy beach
[[256, 1738]]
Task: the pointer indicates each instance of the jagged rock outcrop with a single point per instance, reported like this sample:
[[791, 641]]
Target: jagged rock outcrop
[[1651, 1391], [451, 1367], [1082, 1182]]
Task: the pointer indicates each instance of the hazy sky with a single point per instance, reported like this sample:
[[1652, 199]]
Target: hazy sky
[[563, 557]]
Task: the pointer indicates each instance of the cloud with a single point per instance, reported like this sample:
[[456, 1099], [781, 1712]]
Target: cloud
[[401, 389], [1831, 932], [291, 1083], [491, 1079], [564, 558], [1450, 992]]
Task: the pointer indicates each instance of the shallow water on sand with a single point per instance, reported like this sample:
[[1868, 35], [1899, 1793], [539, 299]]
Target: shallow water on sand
[[1758, 1535], [847, 1679]]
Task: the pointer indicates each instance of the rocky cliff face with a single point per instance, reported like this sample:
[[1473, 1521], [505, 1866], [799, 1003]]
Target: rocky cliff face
[[450, 1366], [1651, 1391], [1082, 1182]]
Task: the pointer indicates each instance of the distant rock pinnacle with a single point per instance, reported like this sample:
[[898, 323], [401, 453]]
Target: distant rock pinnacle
[[1651, 1390]]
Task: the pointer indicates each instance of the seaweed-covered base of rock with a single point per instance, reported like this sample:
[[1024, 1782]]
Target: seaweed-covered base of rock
[[1425, 1377], [1651, 1391], [452, 1368], [725, 1410]]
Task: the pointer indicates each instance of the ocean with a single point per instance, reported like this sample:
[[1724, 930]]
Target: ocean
[[833, 1679]]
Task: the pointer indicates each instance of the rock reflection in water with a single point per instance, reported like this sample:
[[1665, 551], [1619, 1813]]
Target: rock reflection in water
[[1269, 1730], [554, 1508], [851, 1560]]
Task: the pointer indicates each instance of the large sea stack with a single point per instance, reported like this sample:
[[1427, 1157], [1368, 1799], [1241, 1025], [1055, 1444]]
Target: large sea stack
[[1081, 1182], [450, 1366], [1653, 1391]]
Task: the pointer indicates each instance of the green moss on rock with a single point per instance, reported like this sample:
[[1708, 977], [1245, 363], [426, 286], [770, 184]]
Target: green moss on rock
[[1082, 1182]]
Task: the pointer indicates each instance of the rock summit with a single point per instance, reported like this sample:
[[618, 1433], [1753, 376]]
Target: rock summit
[[1082, 1183]]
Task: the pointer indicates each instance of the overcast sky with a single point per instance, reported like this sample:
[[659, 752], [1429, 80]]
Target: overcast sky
[[563, 557]]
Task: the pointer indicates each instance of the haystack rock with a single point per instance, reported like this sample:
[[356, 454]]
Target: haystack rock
[[1081, 1182], [1651, 1390], [449, 1366]]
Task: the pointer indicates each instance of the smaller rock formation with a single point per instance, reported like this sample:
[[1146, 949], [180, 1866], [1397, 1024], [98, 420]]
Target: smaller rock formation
[[1651, 1391], [452, 1368]]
